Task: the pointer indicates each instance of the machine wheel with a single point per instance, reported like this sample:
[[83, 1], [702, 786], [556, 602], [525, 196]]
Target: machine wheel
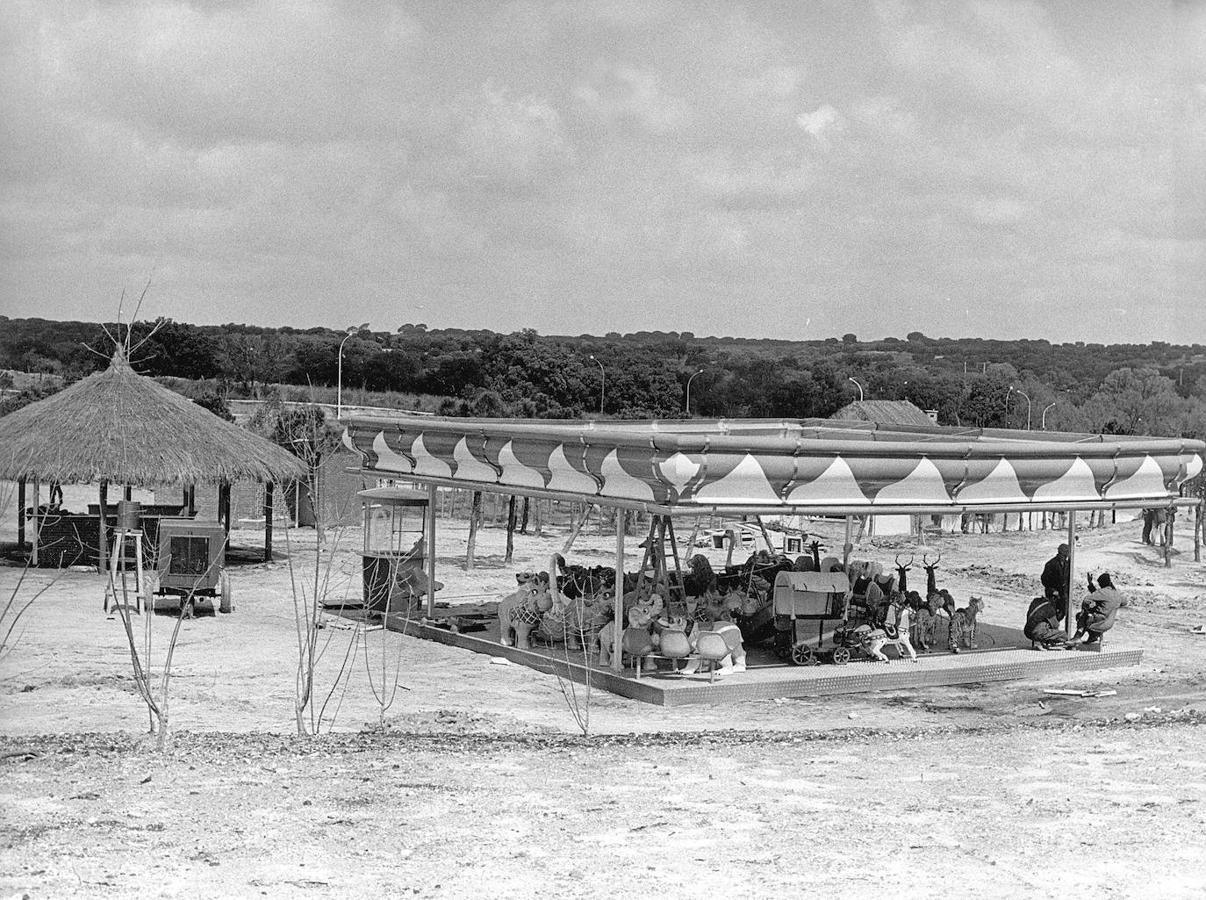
[[801, 655], [226, 604], [841, 656]]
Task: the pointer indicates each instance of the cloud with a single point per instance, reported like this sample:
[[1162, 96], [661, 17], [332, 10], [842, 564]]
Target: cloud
[[567, 166], [824, 124]]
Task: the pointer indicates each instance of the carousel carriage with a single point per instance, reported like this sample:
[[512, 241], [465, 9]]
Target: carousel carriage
[[809, 607]]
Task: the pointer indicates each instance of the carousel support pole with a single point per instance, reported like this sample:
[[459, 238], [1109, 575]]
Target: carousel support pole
[[268, 488], [847, 546], [21, 512], [431, 549], [102, 550], [1071, 571], [617, 630]]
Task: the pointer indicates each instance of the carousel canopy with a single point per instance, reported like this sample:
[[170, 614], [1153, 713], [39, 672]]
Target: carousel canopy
[[809, 465], [123, 427]]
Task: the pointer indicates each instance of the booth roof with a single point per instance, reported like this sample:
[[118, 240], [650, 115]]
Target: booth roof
[[123, 427], [760, 464]]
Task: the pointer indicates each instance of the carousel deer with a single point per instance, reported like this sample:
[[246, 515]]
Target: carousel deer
[[902, 569], [935, 599]]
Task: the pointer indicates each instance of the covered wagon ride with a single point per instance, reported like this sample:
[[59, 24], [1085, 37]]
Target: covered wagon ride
[[808, 608]]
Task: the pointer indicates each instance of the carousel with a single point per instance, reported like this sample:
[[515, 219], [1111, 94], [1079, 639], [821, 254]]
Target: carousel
[[811, 614]]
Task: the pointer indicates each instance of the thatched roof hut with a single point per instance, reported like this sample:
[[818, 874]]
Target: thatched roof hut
[[122, 427], [119, 427]]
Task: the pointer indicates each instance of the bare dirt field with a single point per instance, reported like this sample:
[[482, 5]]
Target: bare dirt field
[[476, 781]]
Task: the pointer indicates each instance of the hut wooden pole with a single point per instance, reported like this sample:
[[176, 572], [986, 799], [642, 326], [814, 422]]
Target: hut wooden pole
[[268, 521], [102, 550], [35, 533], [21, 512], [224, 508]]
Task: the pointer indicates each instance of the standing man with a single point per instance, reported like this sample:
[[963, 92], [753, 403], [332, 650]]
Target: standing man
[[1149, 519], [1055, 576]]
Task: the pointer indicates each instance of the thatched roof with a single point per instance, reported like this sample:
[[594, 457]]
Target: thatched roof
[[883, 412], [123, 427]]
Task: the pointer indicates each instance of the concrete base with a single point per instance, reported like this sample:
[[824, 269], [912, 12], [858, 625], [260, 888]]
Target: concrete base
[[762, 682]]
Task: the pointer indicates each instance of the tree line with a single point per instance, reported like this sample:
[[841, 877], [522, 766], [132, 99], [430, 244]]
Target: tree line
[[1156, 388]]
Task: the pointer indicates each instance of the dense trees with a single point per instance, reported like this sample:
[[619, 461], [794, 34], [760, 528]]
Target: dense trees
[[1154, 388]]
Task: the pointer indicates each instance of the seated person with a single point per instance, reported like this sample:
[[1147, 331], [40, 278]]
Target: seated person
[[1043, 623], [1099, 611]]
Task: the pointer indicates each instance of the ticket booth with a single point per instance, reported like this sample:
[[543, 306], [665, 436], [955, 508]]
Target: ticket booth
[[395, 549]]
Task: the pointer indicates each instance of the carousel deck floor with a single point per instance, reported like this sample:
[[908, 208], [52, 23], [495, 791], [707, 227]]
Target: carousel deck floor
[[1008, 657]]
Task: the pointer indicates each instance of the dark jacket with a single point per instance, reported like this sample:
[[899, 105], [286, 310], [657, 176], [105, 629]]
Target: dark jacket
[[1055, 577], [1043, 620]]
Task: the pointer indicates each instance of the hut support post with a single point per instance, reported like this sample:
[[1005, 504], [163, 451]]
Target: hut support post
[[847, 546], [617, 628], [35, 531], [21, 513], [224, 508], [102, 564], [268, 488], [1071, 570], [431, 549]]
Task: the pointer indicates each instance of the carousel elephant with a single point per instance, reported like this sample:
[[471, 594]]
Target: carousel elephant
[[520, 612], [636, 644], [568, 621]]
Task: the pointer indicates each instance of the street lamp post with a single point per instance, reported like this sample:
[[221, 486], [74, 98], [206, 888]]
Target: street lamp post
[[689, 380], [352, 329], [860, 389], [1027, 396], [602, 382], [1046, 409]]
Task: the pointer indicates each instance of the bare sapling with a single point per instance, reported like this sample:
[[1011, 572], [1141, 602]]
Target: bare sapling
[[304, 432], [16, 605], [385, 690], [577, 696], [155, 692]]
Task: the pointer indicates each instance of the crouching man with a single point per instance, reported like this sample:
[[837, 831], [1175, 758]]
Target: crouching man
[[1099, 611], [1044, 623]]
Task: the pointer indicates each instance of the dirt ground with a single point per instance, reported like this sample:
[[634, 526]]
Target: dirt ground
[[476, 781]]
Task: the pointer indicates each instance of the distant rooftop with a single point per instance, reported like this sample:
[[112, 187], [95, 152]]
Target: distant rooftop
[[883, 412]]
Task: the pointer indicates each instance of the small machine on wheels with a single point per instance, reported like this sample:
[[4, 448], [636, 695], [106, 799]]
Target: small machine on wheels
[[192, 562], [809, 607]]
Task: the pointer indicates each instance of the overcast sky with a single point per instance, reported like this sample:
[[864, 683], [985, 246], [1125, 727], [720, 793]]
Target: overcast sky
[[791, 169]]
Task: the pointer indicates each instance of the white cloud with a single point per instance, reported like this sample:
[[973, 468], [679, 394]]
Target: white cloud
[[823, 124]]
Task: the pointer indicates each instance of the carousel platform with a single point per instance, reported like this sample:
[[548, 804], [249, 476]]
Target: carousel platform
[[1005, 655]]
